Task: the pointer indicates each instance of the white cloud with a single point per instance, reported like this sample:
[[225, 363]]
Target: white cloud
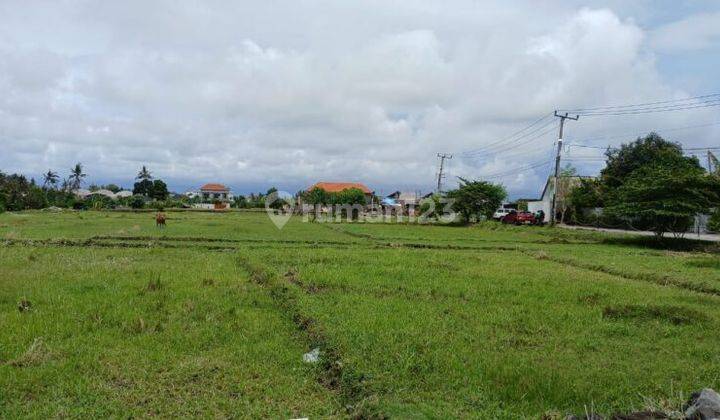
[[251, 94], [696, 32]]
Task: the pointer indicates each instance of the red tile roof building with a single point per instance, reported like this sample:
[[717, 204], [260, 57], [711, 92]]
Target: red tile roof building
[[214, 192], [214, 188], [335, 187]]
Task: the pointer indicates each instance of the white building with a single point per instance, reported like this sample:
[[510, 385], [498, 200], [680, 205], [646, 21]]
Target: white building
[[545, 201], [83, 194], [215, 192]]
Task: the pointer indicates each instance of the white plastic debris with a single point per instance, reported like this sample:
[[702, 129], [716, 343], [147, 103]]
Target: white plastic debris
[[313, 356]]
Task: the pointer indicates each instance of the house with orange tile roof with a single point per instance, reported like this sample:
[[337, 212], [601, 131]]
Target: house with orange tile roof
[[336, 187], [215, 192]]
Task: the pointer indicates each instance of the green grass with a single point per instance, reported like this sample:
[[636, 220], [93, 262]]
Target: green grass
[[234, 225], [116, 332], [211, 316], [497, 334], [694, 271]]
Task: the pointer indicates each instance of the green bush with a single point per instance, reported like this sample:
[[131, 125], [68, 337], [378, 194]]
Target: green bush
[[99, 202], [714, 222], [137, 202]]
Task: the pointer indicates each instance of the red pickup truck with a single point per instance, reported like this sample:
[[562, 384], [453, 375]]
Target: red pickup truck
[[519, 218]]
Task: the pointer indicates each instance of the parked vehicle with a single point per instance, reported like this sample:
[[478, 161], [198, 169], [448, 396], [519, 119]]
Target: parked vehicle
[[500, 213], [519, 218]]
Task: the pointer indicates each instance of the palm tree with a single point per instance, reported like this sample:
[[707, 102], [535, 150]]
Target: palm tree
[[50, 178], [144, 174], [76, 176]]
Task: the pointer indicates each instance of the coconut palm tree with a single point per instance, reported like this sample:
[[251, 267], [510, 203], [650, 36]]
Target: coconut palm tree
[[50, 178], [76, 176], [144, 174]]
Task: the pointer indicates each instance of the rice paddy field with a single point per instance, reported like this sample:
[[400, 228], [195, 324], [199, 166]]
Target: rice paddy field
[[103, 314]]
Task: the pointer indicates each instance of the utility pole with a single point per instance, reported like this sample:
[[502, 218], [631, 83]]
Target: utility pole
[[442, 157], [557, 162]]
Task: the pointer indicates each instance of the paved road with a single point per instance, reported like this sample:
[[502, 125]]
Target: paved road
[[701, 237]]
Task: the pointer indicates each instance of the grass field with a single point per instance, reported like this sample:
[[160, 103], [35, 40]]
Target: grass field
[[211, 317]]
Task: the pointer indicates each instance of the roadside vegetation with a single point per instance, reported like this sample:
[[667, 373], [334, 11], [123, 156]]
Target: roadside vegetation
[[648, 184]]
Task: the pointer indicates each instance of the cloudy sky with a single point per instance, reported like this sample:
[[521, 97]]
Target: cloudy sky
[[285, 93]]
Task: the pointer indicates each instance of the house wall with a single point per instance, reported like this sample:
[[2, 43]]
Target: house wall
[[544, 205], [214, 195], [211, 206]]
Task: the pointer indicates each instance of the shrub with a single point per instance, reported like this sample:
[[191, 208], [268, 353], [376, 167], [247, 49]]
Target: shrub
[[714, 222], [137, 202], [476, 200], [79, 205]]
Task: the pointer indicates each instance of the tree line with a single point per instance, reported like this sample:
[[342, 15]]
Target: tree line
[[648, 184], [17, 192]]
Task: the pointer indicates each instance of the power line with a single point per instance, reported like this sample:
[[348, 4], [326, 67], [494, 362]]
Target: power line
[[523, 168], [701, 148], [611, 147], [516, 170], [613, 107], [588, 147], [538, 128], [522, 133], [639, 134], [585, 158], [653, 109], [625, 135], [513, 146]]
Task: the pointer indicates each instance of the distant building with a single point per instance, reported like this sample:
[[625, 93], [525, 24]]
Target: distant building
[[213, 196], [545, 201], [215, 192], [123, 194], [83, 193], [336, 187], [406, 200]]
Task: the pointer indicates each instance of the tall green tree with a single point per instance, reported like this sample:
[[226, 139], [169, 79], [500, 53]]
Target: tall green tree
[[76, 176], [649, 150], [567, 181], [144, 174], [586, 195], [664, 198], [144, 188], [277, 201], [316, 196], [476, 199], [351, 196], [50, 179], [159, 190], [650, 184], [17, 193]]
